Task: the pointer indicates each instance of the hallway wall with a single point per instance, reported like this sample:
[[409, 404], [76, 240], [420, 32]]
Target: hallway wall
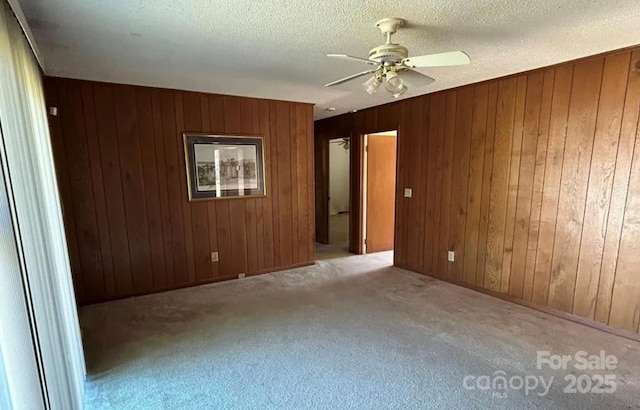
[[338, 178]]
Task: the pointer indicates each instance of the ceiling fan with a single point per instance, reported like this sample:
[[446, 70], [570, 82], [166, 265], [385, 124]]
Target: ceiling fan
[[393, 66]]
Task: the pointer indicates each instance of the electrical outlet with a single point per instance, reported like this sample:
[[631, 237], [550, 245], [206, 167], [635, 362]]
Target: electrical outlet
[[241, 276], [408, 192], [451, 256], [214, 256]]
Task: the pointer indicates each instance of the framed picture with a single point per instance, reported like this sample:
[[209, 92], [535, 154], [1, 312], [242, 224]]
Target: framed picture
[[224, 166]]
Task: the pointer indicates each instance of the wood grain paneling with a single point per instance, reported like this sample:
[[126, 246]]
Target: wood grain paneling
[[486, 184], [542, 139], [533, 180], [424, 181], [624, 310], [416, 111], [186, 211], [128, 142], [460, 179], [525, 186], [401, 207], [605, 148], [431, 189], [167, 240], [625, 301], [551, 184], [104, 104], [474, 194], [78, 166], [439, 129], [620, 191], [499, 194], [585, 93], [448, 157], [514, 178], [131, 229]]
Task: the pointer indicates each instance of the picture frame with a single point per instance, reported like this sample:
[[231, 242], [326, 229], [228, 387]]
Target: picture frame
[[220, 166]]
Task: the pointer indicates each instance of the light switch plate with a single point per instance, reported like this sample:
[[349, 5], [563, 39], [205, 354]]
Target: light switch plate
[[214, 256], [451, 256], [408, 192]]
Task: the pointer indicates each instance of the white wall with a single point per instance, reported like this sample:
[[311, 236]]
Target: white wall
[[338, 178]]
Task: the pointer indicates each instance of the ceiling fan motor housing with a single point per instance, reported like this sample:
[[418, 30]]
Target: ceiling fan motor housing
[[389, 53]]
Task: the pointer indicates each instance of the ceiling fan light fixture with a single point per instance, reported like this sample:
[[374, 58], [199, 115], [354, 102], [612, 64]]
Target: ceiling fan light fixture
[[394, 83], [399, 93], [372, 84]]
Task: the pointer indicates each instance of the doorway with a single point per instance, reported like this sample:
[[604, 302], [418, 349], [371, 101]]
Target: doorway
[[379, 191], [338, 200]]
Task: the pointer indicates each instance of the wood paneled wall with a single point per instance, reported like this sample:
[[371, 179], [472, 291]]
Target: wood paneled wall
[[533, 180], [120, 165]]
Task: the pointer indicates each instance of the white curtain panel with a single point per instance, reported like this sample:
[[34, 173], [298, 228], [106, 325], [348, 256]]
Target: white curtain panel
[[29, 176]]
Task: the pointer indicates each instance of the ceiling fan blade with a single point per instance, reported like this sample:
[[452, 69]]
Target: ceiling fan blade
[[351, 77], [416, 78], [437, 60], [347, 57]]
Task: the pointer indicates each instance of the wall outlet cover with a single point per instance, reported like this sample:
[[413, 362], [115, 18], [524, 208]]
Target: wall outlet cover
[[241, 276], [408, 192], [214, 256]]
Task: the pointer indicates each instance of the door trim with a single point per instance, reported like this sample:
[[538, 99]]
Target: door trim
[[356, 204], [365, 164], [321, 160]]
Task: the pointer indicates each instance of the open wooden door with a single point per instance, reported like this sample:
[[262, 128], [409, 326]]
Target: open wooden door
[[380, 192]]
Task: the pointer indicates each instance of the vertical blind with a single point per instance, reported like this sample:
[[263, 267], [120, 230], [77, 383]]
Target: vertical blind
[[36, 220], [20, 374]]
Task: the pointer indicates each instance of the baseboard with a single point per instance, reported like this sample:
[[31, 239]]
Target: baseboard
[[206, 282], [558, 313]]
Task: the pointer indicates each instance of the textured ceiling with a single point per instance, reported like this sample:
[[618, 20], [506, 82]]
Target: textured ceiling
[[276, 48]]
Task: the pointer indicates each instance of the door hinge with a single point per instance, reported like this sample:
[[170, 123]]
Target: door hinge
[[365, 241]]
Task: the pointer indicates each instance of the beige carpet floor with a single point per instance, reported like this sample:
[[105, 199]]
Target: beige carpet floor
[[348, 333], [338, 245]]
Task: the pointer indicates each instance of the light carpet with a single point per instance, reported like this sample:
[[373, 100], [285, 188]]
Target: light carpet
[[349, 333]]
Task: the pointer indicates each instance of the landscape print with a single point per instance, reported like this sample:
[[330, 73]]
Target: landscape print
[[226, 167]]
